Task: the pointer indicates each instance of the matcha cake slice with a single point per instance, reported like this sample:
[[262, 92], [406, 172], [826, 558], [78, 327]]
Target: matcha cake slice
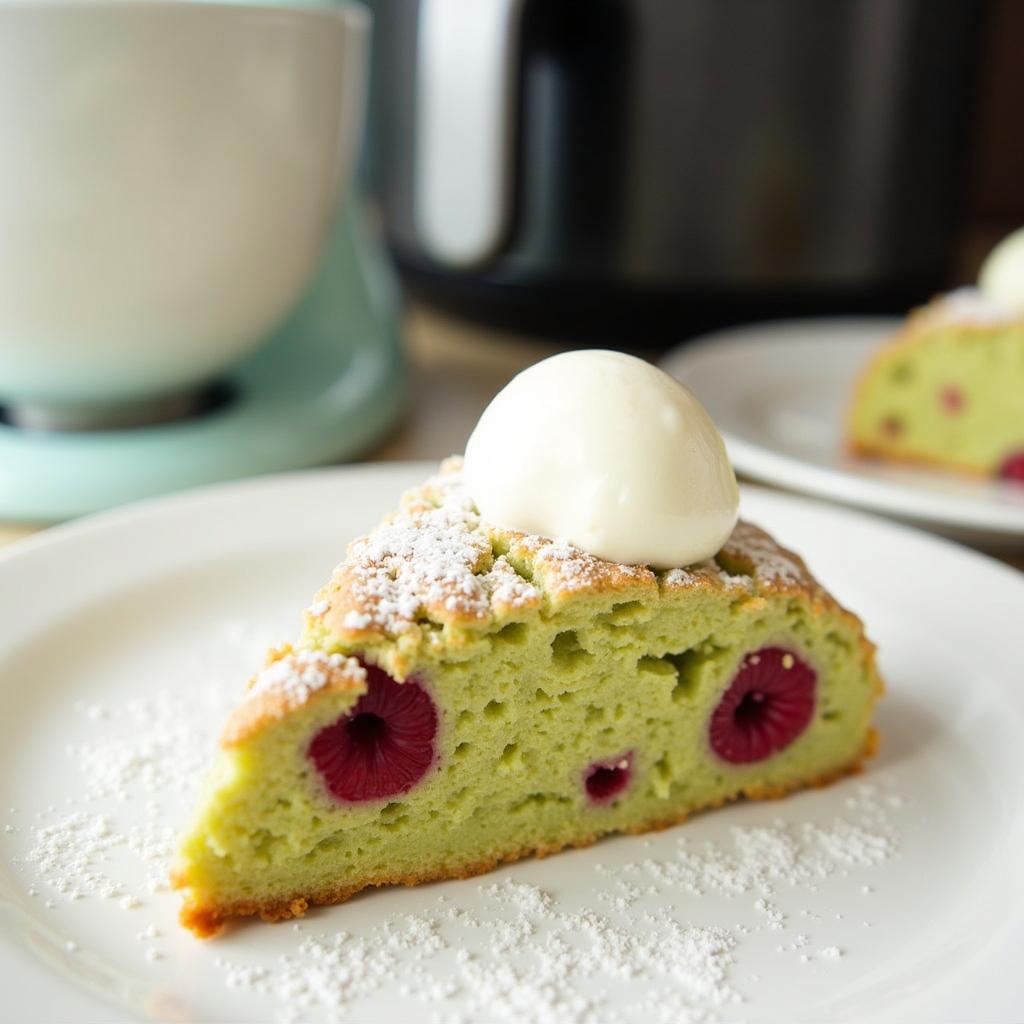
[[947, 389], [463, 696]]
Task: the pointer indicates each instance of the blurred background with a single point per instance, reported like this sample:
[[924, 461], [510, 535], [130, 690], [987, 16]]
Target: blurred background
[[532, 175], [633, 173], [626, 167]]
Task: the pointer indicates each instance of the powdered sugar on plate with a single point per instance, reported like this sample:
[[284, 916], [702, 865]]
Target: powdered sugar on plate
[[672, 919], [662, 928], [131, 755], [549, 960], [543, 964]]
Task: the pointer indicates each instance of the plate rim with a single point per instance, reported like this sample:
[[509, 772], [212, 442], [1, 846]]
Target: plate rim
[[139, 511], [143, 515], [780, 469]]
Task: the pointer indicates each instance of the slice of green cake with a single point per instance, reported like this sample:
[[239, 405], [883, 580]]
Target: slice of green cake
[[948, 389], [464, 696]]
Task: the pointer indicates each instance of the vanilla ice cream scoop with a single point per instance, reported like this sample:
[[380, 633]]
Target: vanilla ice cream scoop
[[609, 453], [1001, 279]]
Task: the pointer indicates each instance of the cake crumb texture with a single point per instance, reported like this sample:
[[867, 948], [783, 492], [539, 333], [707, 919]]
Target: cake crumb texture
[[542, 664]]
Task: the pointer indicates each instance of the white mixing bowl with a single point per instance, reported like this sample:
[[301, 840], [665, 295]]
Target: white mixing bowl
[[169, 174]]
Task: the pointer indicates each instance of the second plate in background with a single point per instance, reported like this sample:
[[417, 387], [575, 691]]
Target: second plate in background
[[779, 391]]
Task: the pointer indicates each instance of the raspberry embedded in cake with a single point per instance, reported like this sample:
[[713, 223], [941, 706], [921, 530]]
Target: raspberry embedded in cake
[[891, 426], [605, 780], [1013, 468], [951, 398], [767, 706], [333, 777], [383, 746]]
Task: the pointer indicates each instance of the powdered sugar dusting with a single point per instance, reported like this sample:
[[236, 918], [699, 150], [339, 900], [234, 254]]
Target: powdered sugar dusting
[[300, 674], [768, 563], [766, 858], [708, 571], [570, 569], [436, 560], [671, 924], [543, 963], [428, 560], [129, 760], [972, 306], [505, 588], [514, 951], [682, 577]]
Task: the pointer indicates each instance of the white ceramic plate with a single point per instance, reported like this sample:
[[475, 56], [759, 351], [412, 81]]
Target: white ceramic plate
[[779, 392], [125, 637]]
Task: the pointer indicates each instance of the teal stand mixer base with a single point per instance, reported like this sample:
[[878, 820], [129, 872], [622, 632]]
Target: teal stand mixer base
[[328, 384]]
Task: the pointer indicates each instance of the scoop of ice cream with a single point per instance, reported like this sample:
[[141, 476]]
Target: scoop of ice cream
[[609, 453], [1001, 278]]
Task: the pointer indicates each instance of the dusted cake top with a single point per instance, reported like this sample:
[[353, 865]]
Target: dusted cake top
[[287, 681], [609, 453], [970, 306], [437, 562], [531, 697]]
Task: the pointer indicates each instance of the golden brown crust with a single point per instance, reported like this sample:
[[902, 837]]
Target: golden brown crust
[[206, 920], [756, 554], [779, 570], [270, 699], [497, 563], [564, 571], [435, 563], [485, 576], [880, 451]]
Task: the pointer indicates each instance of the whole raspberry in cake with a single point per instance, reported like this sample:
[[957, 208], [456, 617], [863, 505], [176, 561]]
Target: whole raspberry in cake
[[768, 705], [383, 747], [465, 694], [605, 780], [1013, 468]]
